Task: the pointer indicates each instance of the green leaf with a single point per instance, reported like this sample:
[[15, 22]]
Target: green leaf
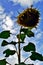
[[30, 33], [3, 62], [22, 63], [27, 32], [29, 47], [14, 43], [24, 30], [21, 42], [21, 36], [4, 43], [36, 56], [5, 34], [9, 52]]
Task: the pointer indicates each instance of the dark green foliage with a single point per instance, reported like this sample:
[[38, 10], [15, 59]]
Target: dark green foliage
[[30, 33], [29, 47], [14, 43], [24, 30], [3, 62], [21, 36], [22, 63], [36, 56], [27, 32], [21, 42], [5, 34], [9, 52], [4, 43]]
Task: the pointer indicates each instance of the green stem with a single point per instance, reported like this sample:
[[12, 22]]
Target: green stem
[[19, 54]]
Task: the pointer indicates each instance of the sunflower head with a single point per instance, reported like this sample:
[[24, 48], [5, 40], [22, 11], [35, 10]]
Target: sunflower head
[[29, 18]]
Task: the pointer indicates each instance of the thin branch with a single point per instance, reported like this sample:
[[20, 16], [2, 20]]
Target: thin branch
[[26, 59]]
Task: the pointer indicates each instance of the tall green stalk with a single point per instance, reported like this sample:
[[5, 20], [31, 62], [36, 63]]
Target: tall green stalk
[[19, 54]]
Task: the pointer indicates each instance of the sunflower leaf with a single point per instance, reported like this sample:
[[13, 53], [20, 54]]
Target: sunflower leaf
[[30, 33], [9, 52], [29, 47], [3, 62], [27, 32], [21, 36], [24, 30], [4, 43], [5, 34], [36, 56]]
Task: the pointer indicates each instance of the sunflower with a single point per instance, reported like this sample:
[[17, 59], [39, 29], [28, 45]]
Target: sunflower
[[29, 18]]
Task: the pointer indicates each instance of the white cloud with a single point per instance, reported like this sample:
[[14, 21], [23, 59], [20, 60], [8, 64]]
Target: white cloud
[[38, 36], [11, 47], [12, 59], [1, 9], [26, 2], [8, 23], [6, 20], [2, 14], [38, 63], [38, 33], [29, 61]]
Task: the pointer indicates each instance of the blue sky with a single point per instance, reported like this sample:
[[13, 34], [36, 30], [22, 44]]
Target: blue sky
[[8, 10]]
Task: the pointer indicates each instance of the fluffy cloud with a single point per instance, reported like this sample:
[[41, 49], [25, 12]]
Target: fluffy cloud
[[38, 33], [38, 36], [8, 23], [1, 10], [39, 63], [6, 20], [2, 15], [26, 2], [12, 59]]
